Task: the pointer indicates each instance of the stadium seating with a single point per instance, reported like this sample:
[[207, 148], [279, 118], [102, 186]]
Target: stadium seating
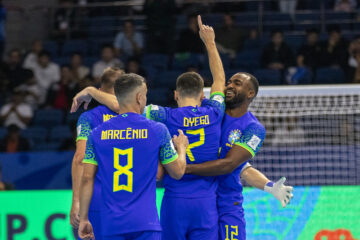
[[35, 134], [72, 46], [3, 132], [52, 47], [329, 75], [268, 76], [158, 61], [159, 96], [60, 133], [167, 79], [48, 117]]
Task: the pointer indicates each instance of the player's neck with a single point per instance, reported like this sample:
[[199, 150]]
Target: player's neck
[[188, 102], [129, 109], [237, 111]]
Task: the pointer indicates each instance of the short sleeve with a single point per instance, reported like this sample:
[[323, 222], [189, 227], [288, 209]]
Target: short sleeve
[[83, 127], [217, 101], [156, 113], [252, 138], [89, 152], [168, 153]]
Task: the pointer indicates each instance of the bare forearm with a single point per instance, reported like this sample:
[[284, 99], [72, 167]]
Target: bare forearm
[[211, 168], [216, 66], [254, 178], [86, 191], [104, 98], [76, 173]]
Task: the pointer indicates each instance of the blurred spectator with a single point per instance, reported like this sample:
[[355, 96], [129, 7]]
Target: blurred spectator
[[3, 185], [107, 60], [189, 39], [14, 70], [133, 66], [64, 19], [16, 112], [13, 141], [2, 29], [289, 134], [230, 38], [79, 70], [334, 51], [160, 25], [129, 42], [30, 89], [353, 68], [46, 73], [254, 41], [288, 6], [32, 57], [60, 94], [345, 5], [310, 51], [277, 55]]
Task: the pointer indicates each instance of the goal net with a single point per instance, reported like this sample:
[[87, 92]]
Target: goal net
[[312, 134]]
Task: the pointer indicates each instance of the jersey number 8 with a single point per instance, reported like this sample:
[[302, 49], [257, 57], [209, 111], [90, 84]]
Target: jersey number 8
[[123, 169]]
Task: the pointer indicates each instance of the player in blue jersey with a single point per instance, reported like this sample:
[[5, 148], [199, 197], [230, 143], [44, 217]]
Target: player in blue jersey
[[125, 151], [86, 122], [242, 137]]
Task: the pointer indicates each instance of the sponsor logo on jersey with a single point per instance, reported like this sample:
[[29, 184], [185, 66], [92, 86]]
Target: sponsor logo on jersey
[[78, 129], [218, 98]]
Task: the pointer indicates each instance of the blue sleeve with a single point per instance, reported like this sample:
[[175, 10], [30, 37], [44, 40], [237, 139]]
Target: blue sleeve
[[217, 101], [156, 113], [89, 152], [168, 153], [83, 127], [252, 138]]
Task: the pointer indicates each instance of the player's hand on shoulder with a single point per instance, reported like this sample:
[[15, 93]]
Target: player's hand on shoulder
[[206, 32], [181, 141], [74, 215], [280, 191], [86, 231], [82, 97]]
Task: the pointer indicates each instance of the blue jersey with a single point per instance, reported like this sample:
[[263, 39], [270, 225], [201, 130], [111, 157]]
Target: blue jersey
[[127, 149], [86, 122], [248, 133], [202, 126]]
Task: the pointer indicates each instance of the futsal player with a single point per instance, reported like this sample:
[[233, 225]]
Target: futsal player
[[125, 151], [86, 122], [242, 137]]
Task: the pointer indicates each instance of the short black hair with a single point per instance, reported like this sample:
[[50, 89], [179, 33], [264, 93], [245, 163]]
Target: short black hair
[[254, 82], [189, 84], [44, 53], [109, 77], [312, 30], [126, 84]]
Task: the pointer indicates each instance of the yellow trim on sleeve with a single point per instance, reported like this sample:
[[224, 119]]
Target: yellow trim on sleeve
[[217, 93], [93, 162], [148, 109], [170, 160], [81, 138], [247, 148]]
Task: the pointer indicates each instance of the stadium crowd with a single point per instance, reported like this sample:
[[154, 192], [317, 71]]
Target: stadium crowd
[[40, 82]]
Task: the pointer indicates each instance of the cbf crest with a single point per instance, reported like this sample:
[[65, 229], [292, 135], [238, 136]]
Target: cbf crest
[[234, 136]]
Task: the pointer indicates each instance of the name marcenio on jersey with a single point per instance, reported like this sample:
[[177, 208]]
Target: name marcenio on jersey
[[128, 133]]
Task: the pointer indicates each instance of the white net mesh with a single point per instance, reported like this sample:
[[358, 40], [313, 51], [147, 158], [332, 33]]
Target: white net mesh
[[312, 134]]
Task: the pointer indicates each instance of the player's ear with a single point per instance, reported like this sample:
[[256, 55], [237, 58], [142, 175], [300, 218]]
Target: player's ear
[[176, 97], [251, 94]]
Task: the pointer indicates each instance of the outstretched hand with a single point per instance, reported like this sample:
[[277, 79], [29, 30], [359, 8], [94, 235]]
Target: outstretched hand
[[280, 191], [82, 97], [206, 32]]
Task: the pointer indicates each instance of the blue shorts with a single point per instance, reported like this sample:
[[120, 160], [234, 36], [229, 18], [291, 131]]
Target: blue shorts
[[189, 218], [145, 235], [94, 218], [232, 224]]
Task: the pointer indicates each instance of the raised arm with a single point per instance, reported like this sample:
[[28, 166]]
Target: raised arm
[[88, 93], [207, 35]]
